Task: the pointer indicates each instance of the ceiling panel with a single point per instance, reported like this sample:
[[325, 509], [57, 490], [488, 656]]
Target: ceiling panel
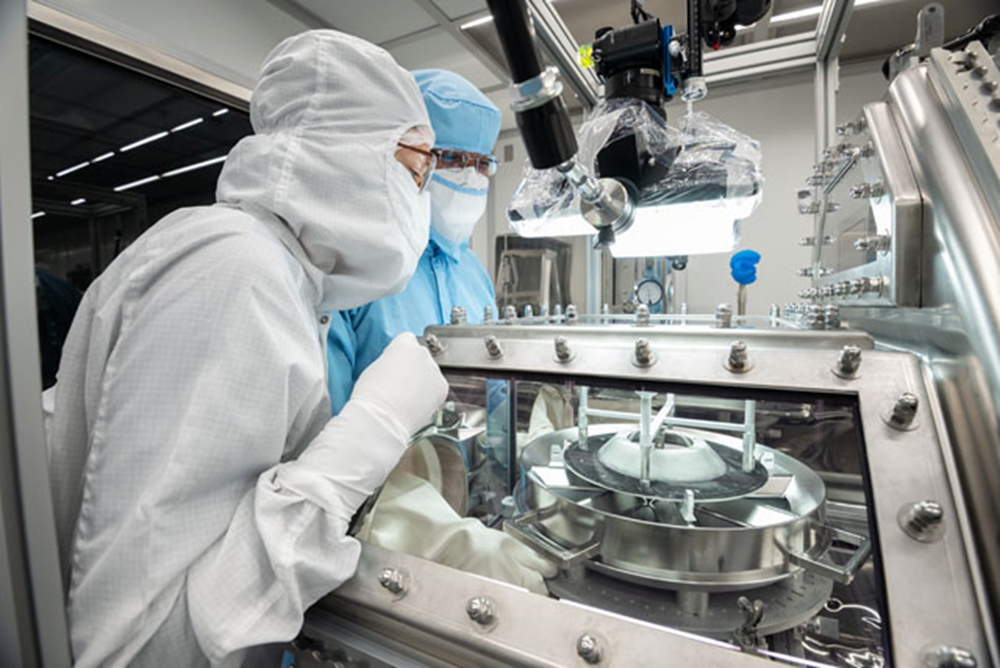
[[375, 20], [438, 49], [456, 9]]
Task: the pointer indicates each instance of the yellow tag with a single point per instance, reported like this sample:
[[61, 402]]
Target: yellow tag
[[586, 55]]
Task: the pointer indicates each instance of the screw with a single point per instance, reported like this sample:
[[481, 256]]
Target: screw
[[480, 610], [904, 411], [529, 311], [642, 315], [849, 361], [589, 648], [684, 308], [433, 344], [774, 311], [509, 313], [981, 70], [949, 657], [831, 313], [724, 316], [557, 310], [393, 580], [493, 348], [605, 309], [570, 314], [815, 317], [738, 356], [488, 314], [644, 353], [563, 352], [459, 316], [879, 242]]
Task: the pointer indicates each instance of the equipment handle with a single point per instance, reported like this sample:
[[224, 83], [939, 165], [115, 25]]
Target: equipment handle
[[523, 531], [844, 574]]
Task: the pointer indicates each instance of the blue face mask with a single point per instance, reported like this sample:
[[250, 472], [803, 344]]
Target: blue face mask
[[458, 201]]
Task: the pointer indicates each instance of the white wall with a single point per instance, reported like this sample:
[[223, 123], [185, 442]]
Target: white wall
[[780, 113], [228, 38]]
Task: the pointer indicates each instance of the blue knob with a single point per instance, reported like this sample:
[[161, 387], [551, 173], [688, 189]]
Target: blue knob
[[743, 266]]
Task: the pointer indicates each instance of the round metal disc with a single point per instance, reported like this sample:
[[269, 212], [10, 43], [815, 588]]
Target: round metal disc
[[787, 604], [734, 483]]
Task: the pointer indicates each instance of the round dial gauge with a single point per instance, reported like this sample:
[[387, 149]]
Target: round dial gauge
[[649, 292]]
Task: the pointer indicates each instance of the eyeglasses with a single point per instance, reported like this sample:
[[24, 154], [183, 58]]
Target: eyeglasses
[[486, 165], [422, 170]]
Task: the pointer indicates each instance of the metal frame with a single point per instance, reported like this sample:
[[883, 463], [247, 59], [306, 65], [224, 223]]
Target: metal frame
[[32, 612], [905, 467], [769, 57], [97, 41]]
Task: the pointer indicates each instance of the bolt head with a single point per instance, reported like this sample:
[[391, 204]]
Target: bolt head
[[392, 579], [589, 648], [946, 656], [480, 610]]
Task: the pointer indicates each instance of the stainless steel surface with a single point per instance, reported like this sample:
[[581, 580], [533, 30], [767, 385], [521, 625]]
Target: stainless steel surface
[[533, 630], [32, 606], [904, 465]]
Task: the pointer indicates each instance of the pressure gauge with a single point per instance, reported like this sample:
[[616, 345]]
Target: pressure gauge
[[649, 292]]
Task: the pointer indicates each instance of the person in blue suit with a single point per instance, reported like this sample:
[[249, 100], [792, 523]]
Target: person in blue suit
[[466, 125]]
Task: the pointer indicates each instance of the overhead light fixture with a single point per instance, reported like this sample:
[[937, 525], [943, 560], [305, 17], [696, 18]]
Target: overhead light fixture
[[220, 112], [191, 168], [37, 214], [189, 124], [476, 22], [136, 184], [143, 142], [70, 170], [809, 12], [78, 202], [103, 157]]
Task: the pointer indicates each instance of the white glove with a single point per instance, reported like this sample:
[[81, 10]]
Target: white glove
[[404, 382], [358, 448], [412, 517]]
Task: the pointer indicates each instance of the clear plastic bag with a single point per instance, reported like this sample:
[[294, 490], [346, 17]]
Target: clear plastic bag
[[703, 164]]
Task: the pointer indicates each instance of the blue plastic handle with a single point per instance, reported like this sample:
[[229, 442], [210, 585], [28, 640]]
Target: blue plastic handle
[[743, 266]]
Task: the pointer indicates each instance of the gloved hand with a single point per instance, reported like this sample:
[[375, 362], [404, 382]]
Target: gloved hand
[[404, 383], [359, 447], [412, 517]]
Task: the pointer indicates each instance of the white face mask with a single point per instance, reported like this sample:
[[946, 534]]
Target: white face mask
[[458, 201]]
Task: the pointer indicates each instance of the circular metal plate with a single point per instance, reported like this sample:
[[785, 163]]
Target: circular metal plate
[[733, 484], [787, 604]]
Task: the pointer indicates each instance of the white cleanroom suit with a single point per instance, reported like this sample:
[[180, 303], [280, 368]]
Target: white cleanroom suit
[[202, 491]]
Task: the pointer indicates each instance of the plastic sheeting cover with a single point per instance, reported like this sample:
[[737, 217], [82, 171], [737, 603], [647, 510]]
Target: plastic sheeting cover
[[702, 162]]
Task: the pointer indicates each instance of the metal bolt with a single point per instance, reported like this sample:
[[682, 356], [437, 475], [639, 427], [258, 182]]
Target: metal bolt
[[433, 344], [480, 610], [738, 356], [605, 309], [589, 648], [563, 351], [904, 411], [804, 272], [981, 70], [724, 316], [923, 520], [488, 314], [849, 362], [509, 313], [815, 318], [949, 657], [644, 353], [459, 316], [831, 314], [992, 85], [557, 310], [529, 311], [867, 191], [570, 314], [642, 315], [684, 308], [879, 242], [493, 348], [393, 580], [774, 311]]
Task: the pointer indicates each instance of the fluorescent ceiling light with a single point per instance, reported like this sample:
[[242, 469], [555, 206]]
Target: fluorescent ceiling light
[[103, 157], [147, 140], [476, 22], [39, 214], [220, 112], [70, 170], [191, 168], [189, 124], [809, 12], [134, 184], [79, 201]]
